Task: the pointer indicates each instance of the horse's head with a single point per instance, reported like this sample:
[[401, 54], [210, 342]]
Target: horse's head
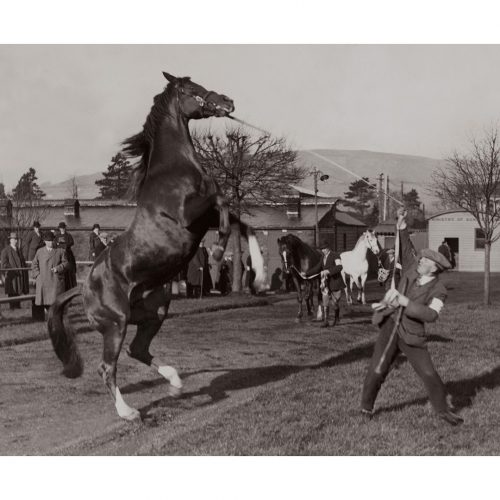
[[196, 101], [371, 241], [285, 251]]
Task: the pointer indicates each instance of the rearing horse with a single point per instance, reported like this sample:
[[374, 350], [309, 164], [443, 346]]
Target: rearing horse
[[355, 264], [177, 202], [298, 257]]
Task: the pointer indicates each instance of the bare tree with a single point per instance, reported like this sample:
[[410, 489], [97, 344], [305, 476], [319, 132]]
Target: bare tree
[[472, 182], [73, 188], [27, 203], [251, 170]]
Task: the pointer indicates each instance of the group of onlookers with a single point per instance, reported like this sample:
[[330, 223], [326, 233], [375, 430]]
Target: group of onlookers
[[53, 263]]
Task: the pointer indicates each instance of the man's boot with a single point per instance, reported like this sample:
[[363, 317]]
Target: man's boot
[[336, 318], [325, 317]]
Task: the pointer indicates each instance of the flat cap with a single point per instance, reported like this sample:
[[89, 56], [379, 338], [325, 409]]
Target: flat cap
[[48, 236], [442, 262], [324, 244], [13, 236]]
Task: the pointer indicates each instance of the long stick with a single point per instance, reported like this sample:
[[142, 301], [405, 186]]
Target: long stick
[[324, 158], [335, 164]]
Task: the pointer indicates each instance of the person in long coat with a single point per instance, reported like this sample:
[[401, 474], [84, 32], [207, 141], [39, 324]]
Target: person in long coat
[[16, 282], [48, 268], [198, 274], [65, 241], [401, 317], [96, 246], [32, 242]]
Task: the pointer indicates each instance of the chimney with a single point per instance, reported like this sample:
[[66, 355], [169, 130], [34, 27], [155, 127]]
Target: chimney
[[293, 208], [71, 208]]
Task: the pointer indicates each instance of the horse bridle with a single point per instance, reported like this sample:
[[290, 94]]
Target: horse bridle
[[202, 101]]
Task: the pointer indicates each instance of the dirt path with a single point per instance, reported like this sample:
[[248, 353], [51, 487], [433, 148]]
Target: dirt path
[[225, 358]]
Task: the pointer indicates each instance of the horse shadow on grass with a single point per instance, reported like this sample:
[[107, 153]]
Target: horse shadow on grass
[[462, 391], [246, 378]]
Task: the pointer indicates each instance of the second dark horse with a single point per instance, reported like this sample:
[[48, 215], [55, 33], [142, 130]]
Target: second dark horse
[[177, 202], [298, 257]]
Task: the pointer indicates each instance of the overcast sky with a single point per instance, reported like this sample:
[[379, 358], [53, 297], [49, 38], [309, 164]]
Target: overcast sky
[[65, 108]]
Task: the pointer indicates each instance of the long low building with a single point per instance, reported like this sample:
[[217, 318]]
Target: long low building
[[465, 238], [298, 216]]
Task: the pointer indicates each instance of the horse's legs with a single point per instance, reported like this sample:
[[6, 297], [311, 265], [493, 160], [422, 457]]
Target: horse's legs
[[113, 334], [148, 314], [363, 281], [308, 292], [300, 298], [348, 284]]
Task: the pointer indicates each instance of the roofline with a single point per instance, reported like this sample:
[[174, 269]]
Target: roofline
[[460, 210]]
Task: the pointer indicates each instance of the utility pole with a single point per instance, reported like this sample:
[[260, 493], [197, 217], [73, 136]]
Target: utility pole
[[380, 200], [402, 192], [385, 196], [323, 177]]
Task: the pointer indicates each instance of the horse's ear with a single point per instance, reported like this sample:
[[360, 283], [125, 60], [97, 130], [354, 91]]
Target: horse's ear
[[169, 77]]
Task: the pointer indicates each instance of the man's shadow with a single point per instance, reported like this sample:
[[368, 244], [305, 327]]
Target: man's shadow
[[462, 391]]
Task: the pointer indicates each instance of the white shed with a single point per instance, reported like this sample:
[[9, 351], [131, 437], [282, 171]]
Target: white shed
[[465, 238]]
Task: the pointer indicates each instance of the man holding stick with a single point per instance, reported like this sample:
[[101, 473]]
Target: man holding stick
[[401, 316]]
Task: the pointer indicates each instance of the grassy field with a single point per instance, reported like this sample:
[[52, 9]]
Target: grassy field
[[257, 383]]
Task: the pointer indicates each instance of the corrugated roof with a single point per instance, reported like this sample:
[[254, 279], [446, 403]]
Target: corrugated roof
[[459, 210]]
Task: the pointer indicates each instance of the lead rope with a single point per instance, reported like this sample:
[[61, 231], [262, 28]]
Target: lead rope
[[378, 369]]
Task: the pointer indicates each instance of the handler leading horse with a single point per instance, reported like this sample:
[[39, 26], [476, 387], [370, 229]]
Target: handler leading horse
[[177, 202]]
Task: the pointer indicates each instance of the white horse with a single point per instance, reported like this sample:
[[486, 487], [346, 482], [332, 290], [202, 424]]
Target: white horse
[[355, 264]]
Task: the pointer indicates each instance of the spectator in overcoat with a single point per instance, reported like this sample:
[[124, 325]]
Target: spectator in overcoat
[[96, 246], [198, 275], [65, 241], [48, 267], [32, 242], [16, 281], [226, 274], [250, 276]]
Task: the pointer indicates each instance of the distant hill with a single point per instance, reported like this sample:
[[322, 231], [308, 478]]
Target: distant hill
[[414, 171], [86, 188]]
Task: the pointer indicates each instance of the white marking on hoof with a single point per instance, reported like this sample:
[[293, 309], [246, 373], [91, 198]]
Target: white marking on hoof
[[319, 315], [123, 409], [170, 373], [173, 391]]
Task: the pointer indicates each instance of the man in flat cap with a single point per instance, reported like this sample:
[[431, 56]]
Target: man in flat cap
[[17, 280], [332, 282], [401, 316]]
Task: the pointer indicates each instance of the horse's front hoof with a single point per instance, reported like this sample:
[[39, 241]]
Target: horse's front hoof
[[174, 392], [131, 416]]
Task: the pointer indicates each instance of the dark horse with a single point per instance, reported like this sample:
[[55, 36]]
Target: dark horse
[[298, 257], [177, 202]]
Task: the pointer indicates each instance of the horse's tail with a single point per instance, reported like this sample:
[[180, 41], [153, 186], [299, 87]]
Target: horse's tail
[[63, 335], [260, 281]]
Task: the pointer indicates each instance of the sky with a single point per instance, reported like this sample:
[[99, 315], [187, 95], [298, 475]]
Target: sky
[[64, 109]]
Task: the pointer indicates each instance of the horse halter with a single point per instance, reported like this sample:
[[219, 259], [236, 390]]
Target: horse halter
[[370, 245], [203, 102]]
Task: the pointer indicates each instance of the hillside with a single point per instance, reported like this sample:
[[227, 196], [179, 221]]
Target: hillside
[[414, 171], [86, 188]]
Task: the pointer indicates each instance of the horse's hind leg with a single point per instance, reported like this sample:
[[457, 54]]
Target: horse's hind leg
[[148, 315], [113, 334], [300, 298]]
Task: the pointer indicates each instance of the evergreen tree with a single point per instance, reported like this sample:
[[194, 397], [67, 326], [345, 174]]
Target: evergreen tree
[[2, 191], [116, 181], [360, 196], [27, 189]]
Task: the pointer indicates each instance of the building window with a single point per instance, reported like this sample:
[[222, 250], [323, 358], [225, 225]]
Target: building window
[[344, 238], [479, 239]]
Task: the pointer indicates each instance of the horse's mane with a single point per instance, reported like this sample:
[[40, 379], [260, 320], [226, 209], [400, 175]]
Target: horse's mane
[[361, 238], [296, 241], [139, 145]]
